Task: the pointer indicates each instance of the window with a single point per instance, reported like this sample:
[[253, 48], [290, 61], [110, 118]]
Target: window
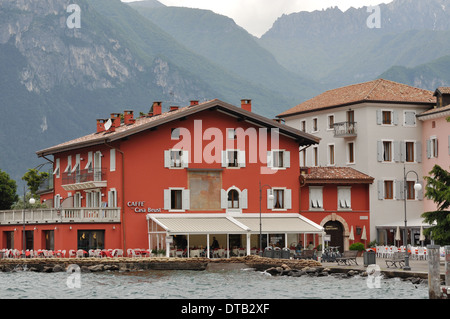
[[281, 198], [57, 168], [432, 147], [344, 198], [303, 158], [316, 198], [176, 159], [176, 199], [384, 151], [388, 189], [233, 158], [77, 200], [410, 191], [315, 156], [350, 153], [314, 123], [278, 159], [409, 152], [331, 122], [387, 118], [409, 118], [331, 154], [112, 198], [91, 239], [112, 160], [68, 169], [233, 199], [303, 126]]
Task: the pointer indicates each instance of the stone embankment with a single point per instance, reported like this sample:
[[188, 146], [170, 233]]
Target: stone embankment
[[133, 264]]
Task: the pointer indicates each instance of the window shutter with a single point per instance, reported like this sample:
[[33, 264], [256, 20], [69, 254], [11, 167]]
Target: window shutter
[[397, 151], [224, 158], [287, 159], [269, 159], [379, 118], [403, 151], [288, 199], [241, 158], [185, 159], [243, 199], [399, 190], [112, 160], [269, 201], [223, 199], [186, 199], [167, 158], [418, 152], [167, 199], [428, 148], [395, 117], [380, 189], [57, 169], [380, 151]]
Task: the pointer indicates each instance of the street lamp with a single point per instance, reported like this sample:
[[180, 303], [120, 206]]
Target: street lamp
[[260, 215], [31, 201], [417, 188]]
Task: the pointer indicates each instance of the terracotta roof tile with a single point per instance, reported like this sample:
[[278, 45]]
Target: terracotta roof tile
[[375, 91], [336, 174]]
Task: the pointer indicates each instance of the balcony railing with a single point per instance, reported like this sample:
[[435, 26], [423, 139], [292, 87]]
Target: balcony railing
[[345, 129], [63, 215], [85, 178]]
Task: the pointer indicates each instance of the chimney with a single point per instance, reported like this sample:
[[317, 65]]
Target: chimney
[[101, 125], [115, 119], [173, 108], [128, 117], [157, 108], [246, 105], [194, 102]]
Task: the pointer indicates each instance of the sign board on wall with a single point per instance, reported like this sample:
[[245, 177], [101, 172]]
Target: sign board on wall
[[139, 207]]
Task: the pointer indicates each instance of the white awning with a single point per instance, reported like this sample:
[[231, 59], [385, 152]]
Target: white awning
[[219, 223], [414, 223]]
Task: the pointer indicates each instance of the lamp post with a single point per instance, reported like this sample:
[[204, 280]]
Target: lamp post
[[260, 215], [417, 188], [31, 201]]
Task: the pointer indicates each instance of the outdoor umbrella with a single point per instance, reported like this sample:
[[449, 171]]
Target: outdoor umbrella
[[421, 237], [351, 236], [364, 235], [397, 234]]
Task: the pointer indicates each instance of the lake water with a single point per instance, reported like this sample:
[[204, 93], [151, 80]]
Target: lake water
[[231, 284]]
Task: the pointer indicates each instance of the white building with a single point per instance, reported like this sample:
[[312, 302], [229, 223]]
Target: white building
[[371, 127]]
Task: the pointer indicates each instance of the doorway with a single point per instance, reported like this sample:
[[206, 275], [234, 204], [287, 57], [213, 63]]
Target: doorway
[[336, 232]]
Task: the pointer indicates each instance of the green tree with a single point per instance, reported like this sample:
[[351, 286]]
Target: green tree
[[34, 179], [438, 190], [8, 191]]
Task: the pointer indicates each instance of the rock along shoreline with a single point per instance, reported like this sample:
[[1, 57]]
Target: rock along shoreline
[[274, 267]]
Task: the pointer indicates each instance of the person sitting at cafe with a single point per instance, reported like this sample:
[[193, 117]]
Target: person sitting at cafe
[[215, 244], [298, 248]]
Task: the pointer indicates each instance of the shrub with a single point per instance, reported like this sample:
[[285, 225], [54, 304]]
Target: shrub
[[357, 246]]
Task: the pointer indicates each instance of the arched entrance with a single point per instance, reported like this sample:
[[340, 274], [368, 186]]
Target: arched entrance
[[336, 232]]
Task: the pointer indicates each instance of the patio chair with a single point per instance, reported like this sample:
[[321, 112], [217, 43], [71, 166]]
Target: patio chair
[[80, 253], [72, 253]]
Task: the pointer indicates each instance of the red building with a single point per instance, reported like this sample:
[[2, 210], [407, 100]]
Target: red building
[[176, 178], [337, 198]]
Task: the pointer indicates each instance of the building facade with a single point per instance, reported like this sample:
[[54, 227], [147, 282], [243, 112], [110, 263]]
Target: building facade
[[371, 127], [337, 198], [171, 180]]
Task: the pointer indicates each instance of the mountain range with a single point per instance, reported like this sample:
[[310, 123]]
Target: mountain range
[[55, 81]]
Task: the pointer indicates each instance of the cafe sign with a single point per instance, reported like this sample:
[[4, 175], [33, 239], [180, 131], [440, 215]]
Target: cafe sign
[[139, 207]]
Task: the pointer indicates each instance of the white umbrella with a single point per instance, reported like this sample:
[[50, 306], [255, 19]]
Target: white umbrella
[[397, 234], [351, 236], [422, 236], [364, 235]]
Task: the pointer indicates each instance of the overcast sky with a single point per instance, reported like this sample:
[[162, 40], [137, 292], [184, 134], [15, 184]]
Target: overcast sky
[[257, 16]]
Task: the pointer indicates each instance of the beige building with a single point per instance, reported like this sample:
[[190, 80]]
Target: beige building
[[371, 127]]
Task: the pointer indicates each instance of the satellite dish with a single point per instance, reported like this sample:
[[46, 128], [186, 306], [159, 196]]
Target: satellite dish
[[108, 124]]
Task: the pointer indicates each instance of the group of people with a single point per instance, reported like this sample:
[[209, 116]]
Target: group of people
[[299, 247]]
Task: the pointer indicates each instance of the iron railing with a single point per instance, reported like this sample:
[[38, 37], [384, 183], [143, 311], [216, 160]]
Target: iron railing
[[345, 129], [83, 175]]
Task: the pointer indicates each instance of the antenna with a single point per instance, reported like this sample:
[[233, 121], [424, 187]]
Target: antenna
[[108, 124]]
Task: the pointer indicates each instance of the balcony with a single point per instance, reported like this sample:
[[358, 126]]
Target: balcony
[[345, 129], [63, 215], [84, 179]]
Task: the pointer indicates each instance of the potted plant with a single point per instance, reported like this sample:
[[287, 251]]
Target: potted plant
[[161, 253], [359, 247]]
